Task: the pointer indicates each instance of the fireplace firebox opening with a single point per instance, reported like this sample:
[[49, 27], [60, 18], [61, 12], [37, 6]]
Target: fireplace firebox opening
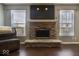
[[42, 33]]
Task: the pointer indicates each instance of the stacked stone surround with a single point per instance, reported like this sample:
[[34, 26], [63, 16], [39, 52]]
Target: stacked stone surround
[[39, 25], [51, 41]]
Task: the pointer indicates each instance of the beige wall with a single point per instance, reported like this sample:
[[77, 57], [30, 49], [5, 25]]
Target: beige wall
[[1, 15], [57, 8]]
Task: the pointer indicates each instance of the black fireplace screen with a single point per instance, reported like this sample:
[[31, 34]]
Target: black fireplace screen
[[42, 33]]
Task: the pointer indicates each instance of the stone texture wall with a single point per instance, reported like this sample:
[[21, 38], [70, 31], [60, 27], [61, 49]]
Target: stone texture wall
[[38, 25]]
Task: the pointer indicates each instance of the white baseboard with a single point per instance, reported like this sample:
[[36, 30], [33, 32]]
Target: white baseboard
[[21, 42], [69, 42], [61, 42]]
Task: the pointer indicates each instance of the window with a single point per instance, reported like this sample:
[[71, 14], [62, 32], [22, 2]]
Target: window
[[66, 22], [18, 20]]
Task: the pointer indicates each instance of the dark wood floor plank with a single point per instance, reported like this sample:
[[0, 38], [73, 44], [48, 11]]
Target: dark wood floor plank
[[65, 50]]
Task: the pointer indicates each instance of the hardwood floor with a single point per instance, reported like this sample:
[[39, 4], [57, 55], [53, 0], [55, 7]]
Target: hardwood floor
[[65, 50]]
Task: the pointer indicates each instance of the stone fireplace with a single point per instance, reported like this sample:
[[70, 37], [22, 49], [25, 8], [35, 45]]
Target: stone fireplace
[[43, 33], [43, 27]]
